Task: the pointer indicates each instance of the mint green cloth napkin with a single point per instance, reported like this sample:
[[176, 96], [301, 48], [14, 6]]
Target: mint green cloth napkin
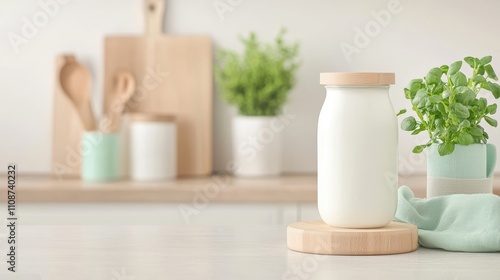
[[458, 222]]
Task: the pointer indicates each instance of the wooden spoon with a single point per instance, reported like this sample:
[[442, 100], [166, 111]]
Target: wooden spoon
[[123, 89], [75, 81]]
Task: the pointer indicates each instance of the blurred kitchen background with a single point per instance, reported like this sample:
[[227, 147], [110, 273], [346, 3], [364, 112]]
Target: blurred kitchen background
[[407, 37], [421, 35]]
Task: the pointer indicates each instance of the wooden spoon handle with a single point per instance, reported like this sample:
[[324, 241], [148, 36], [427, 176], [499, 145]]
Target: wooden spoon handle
[[153, 14], [87, 117], [114, 123]]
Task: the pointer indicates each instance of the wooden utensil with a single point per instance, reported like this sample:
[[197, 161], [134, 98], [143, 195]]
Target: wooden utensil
[[67, 129], [123, 89], [174, 77], [75, 81]]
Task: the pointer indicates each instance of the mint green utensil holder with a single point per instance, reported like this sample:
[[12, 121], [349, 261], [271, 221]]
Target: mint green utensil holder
[[100, 157]]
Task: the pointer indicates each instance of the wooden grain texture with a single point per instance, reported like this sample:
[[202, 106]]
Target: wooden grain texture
[[67, 129], [319, 238], [218, 189], [286, 188], [173, 76], [357, 78], [108, 252]]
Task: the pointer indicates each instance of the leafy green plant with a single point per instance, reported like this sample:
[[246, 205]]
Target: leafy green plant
[[451, 111], [258, 81]]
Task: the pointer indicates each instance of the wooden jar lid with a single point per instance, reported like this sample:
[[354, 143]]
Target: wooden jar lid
[[357, 78], [316, 237], [147, 117]]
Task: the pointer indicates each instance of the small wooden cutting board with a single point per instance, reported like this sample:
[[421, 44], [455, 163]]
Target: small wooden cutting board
[[316, 237], [174, 77]]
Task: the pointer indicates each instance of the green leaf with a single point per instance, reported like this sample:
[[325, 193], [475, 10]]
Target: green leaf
[[409, 124], [462, 89], [492, 109], [418, 149], [459, 79], [482, 103], [480, 70], [417, 131], [444, 68], [420, 98], [438, 130], [461, 111], [415, 85], [476, 131], [479, 79], [442, 109], [435, 98], [485, 60], [401, 112], [433, 76], [455, 67], [446, 148], [439, 88], [465, 138], [470, 61], [463, 124], [465, 95], [495, 89], [491, 72], [446, 94], [452, 129], [490, 121], [407, 94]]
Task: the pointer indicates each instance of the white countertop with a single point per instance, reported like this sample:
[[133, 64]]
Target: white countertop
[[139, 252]]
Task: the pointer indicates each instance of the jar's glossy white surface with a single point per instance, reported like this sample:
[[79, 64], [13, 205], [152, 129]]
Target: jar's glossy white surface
[[357, 157]]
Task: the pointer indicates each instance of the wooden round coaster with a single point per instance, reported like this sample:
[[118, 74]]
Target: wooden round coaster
[[316, 237]]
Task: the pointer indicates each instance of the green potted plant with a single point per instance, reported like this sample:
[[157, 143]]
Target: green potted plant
[[257, 82], [451, 111]]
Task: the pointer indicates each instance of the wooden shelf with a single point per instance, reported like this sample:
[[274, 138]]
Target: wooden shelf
[[283, 189]]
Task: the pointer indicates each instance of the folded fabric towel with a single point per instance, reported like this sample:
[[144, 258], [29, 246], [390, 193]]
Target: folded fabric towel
[[458, 222]]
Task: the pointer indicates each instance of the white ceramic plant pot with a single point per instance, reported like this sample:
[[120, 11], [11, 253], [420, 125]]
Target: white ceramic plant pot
[[357, 151], [257, 145]]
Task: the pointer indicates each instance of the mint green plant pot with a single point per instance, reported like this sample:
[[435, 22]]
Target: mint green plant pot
[[469, 169]]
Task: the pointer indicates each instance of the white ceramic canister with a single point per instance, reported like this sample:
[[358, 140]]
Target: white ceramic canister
[[357, 151], [153, 147]]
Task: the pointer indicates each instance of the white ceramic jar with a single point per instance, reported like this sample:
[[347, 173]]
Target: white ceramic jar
[[153, 147], [357, 151]]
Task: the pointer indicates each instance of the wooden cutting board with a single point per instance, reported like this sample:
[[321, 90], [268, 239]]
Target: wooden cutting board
[[316, 237], [173, 76]]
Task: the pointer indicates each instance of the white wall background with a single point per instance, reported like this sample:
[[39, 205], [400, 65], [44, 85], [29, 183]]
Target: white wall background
[[424, 34]]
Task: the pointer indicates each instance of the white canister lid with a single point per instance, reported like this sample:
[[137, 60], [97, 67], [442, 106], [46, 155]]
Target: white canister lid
[[357, 78], [147, 117]]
